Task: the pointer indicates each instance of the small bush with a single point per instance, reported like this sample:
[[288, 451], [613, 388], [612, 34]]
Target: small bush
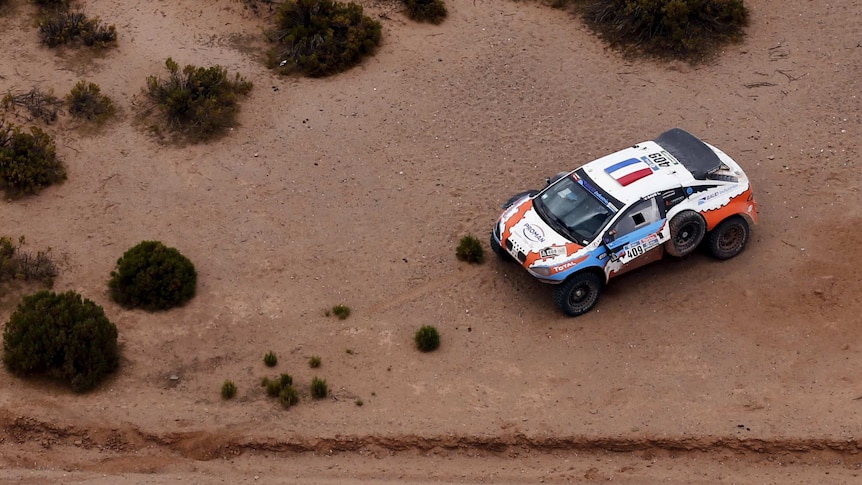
[[341, 311], [63, 336], [314, 361], [18, 264], [228, 390], [87, 101], [427, 338], [288, 396], [359, 402], [470, 250], [319, 389], [273, 387], [285, 380], [321, 37], [680, 27], [433, 11], [152, 276], [62, 26], [270, 359], [198, 102], [28, 161]]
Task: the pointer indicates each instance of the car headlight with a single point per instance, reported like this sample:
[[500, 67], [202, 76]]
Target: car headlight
[[541, 270]]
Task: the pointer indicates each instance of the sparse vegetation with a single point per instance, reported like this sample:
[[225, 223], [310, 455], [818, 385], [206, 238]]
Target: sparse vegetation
[[687, 28], [270, 359], [153, 276], [61, 26], [359, 402], [52, 4], [314, 362], [228, 390], [197, 102], [433, 11], [28, 161], [288, 396], [341, 311], [18, 264], [285, 380], [63, 336], [319, 389], [273, 387], [427, 338], [86, 101], [470, 250], [41, 105], [321, 37]]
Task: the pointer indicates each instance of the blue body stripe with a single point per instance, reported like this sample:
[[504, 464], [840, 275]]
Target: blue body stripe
[[619, 165]]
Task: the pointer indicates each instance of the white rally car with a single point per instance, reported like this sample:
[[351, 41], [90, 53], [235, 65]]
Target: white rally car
[[625, 210]]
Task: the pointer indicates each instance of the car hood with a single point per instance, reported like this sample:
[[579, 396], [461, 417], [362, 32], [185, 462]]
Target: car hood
[[529, 234]]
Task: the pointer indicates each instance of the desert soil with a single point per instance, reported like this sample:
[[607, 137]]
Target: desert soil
[[355, 190]]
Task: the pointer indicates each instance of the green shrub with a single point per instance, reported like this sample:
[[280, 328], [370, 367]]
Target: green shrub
[[427, 338], [28, 161], [62, 26], [433, 11], [87, 101], [681, 27], [321, 37], [270, 359], [314, 361], [273, 388], [341, 311], [319, 389], [198, 102], [152, 276], [228, 390], [285, 380], [18, 264], [359, 402], [470, 250], [63, 336], [288, 396]]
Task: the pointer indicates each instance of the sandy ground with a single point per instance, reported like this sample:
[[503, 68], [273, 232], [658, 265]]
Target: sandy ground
[[355, 190]]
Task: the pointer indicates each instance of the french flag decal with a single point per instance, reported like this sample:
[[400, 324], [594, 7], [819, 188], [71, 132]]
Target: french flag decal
[[628, 171]]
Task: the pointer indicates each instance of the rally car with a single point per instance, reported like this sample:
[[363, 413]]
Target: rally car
[[625, 210]]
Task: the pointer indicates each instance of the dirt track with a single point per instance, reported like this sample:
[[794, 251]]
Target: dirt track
[[355, 189]]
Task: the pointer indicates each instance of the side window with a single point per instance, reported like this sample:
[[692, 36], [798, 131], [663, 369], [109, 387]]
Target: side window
[[639, 215]]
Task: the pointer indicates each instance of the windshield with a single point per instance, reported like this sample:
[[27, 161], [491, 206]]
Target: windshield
[[572, 210]]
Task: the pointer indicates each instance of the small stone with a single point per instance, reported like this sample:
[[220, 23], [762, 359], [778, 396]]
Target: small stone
[[175, 377]]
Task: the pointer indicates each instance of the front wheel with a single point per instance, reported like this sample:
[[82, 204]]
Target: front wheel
[[499, 251], [729, 237], [578, 294], [686, 232]]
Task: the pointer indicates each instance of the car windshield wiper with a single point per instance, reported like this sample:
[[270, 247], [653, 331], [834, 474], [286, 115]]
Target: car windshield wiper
[[552, 220]]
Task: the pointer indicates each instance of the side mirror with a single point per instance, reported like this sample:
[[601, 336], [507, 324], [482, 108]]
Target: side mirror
[[609, 236], [550, 180]]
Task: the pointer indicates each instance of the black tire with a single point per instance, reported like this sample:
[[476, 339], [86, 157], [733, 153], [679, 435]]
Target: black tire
[[499, 251], [578, 294], [729, 237], [687, 230]]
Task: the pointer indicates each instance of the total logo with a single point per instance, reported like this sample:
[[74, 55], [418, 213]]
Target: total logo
[[533, 233]]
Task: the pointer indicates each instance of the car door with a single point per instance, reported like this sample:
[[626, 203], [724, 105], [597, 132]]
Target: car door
[[634, 238]]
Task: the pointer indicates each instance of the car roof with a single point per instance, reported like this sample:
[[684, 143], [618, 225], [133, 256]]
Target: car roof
[[672, 160]]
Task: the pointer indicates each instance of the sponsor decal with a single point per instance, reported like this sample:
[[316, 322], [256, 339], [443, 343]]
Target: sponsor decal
[[708, 197], [629, 171], [638, 248], [597, 194], [534, 233], [565, 266]]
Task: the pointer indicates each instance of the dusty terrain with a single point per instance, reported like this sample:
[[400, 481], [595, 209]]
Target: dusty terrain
[[356, 188]]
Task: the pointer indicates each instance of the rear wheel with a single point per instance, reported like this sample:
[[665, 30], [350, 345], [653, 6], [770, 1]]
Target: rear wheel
[[686, 232], [578, 294], [729, 237]]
